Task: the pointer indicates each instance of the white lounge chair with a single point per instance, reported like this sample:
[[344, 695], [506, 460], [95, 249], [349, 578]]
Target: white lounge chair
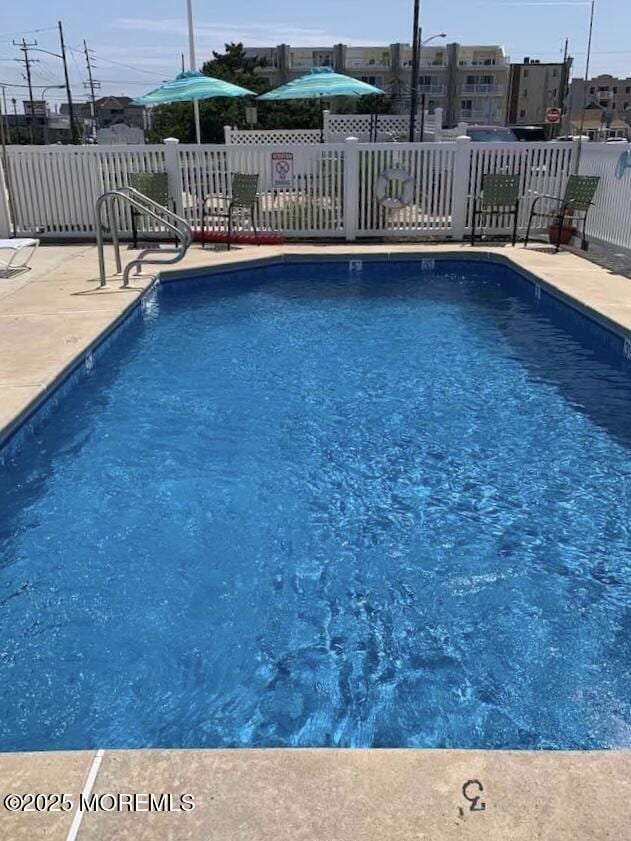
[[20, 252]]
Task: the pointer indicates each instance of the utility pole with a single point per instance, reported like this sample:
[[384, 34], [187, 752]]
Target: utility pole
[[92, 85], [25, 46], [563, 87], [5, 113], [416, 59], [73, 128], [577, 157]]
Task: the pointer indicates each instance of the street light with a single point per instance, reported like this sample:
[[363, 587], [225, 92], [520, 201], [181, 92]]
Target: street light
[[431, 38]]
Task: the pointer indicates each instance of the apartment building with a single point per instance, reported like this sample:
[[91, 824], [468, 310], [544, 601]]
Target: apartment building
[[533, 87], [469, 83], [600, 106]]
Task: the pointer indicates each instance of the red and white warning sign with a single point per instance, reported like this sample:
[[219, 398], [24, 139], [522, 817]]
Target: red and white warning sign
[[553, 115], [282, 169]]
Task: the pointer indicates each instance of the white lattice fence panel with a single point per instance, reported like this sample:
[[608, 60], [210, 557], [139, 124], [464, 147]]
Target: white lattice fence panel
[[312, 206], [271, 137], [431, 165], [610, 218], [338, 127]]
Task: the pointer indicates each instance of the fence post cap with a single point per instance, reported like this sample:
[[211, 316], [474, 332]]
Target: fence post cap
[[171, 140]]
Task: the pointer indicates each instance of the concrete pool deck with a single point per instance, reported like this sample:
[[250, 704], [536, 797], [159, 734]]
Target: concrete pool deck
[[51, 316]]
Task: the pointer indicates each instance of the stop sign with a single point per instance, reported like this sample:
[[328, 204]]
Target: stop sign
[[553, 115]]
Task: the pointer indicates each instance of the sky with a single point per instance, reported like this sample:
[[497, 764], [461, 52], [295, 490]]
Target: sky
[[139, 44]]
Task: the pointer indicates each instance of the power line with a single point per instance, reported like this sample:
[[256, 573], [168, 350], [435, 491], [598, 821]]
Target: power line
[[7, 36], [118, 63]]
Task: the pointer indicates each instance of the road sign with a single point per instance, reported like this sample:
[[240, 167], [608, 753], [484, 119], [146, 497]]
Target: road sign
[[553, 115], [282, 169]]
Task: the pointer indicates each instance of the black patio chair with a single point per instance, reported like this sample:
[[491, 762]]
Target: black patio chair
[[578, 198], [242, 201], [499, 196]]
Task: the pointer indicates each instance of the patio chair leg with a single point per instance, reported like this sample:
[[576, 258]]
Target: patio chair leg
[[256, 236], [516, 215], [530, 218], [560, 231], [229, 228], [202, 238], [583, 237], [134, 229]]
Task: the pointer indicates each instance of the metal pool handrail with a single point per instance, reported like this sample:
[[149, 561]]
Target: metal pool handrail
[[170, 220]]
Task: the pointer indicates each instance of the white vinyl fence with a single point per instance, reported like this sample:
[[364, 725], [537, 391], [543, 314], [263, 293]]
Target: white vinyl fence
[[609, 221], [317, 190]]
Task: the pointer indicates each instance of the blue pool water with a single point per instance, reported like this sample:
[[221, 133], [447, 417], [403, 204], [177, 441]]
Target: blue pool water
[[304, 506]]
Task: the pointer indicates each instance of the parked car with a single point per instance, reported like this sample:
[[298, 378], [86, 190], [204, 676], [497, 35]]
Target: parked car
[[492, 134], [565, 138], [616, 140], [529, 134]]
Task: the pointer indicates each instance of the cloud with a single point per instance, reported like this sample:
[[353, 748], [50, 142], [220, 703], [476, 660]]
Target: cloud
[[251, 34]]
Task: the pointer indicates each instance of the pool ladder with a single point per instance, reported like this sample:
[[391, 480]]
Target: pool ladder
[[114, 200]]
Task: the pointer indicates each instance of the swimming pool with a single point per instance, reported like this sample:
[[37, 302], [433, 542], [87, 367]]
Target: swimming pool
[[317, 505]]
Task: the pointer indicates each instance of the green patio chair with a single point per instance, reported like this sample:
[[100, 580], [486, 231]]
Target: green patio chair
[[154, 185], [242, 201], [578, 198], [499, 196]]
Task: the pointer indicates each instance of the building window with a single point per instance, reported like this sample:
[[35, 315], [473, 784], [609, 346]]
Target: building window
[[522, 113], [627, 90], [525, 72], [615, 90], [525, 93], [592, 90], [555, 73]]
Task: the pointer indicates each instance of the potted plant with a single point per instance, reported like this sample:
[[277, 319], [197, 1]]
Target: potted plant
[[561, 230]]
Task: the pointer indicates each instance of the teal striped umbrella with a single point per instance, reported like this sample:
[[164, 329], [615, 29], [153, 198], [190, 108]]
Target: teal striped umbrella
[[190, 86], [320, 83]]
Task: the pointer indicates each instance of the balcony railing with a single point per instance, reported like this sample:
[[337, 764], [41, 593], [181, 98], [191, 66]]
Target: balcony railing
[[483, 62], [430, 62], [481, 88], [468, 115], [367, 63], [434, 90]]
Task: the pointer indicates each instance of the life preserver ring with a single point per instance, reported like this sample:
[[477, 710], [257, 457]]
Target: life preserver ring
[[382, 191]]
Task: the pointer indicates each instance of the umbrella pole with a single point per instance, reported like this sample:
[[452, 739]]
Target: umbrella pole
[[198, 130], [321, 120]]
